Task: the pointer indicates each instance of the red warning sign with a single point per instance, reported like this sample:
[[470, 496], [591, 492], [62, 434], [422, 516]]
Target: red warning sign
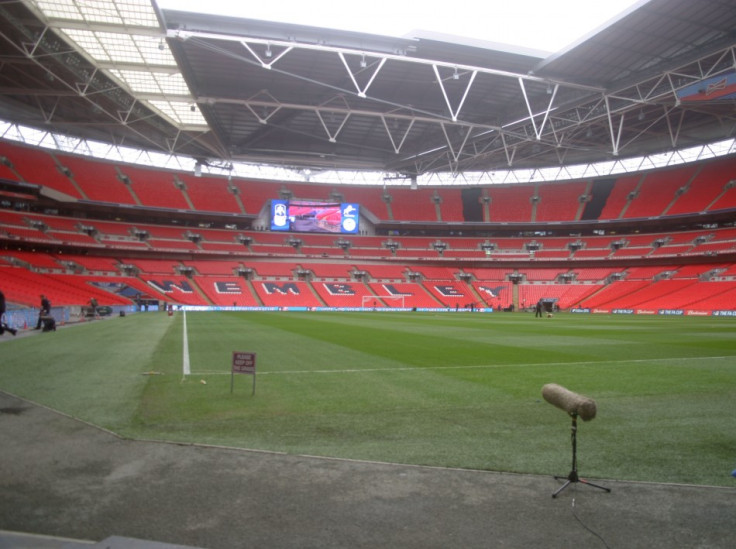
[[244, 363]]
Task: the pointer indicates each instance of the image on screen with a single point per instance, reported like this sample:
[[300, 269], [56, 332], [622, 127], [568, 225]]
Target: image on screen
[[314, 217]]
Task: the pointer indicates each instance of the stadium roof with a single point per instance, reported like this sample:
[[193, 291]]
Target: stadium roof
[[661, 76]]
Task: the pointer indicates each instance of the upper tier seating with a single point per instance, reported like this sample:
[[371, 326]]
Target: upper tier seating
[[155, 188], [670, 191], [98, 180], [619, 197], [657, 191], [210, 194], [511, 203], [368, 198], [559, 201], [413, 204], [255, 195], [707, 185], [38, 166]]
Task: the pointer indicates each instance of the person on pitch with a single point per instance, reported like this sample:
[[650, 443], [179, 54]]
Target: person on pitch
[[44, 312], [93, 308]]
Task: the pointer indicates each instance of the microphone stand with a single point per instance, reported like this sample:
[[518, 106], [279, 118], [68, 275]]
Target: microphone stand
[[573, 476]]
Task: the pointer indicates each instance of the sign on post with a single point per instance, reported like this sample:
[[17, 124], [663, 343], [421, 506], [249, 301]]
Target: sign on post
[[243, 363]]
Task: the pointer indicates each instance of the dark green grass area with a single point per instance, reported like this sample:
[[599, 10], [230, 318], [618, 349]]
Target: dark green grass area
[[445, 389]]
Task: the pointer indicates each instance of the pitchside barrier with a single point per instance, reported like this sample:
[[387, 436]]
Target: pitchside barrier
[[26, 319], [348, 309]]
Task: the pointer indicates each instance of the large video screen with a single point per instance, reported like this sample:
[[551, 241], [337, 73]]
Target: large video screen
[[314, 217]]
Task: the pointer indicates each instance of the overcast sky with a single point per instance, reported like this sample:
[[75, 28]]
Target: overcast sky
[[546, 25]]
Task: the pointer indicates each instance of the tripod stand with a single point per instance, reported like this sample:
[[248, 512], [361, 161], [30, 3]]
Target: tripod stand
[[573, 476]]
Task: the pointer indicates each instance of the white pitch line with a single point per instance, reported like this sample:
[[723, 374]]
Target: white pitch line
[[474, 367], [186, 370]]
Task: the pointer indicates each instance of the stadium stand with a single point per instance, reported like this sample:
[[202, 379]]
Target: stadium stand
[[210, 194], [162, 253], [153, 266], [567, 295], [267, 269], [413, 204], [255, 195], [619, 197], [451, 206], [727, 199], [227, 291], [645, 273], [599, 274], [370, 199], [496, 294], [657, 191], [290, 293], [34, 260], [614, 295], [329, 270], [511, 203], [345, 294], [99, 181], [62, 289], [656, 295], [541, 275], [450, 293], [560, 201], [91, 264], [709, 296], [707, 185], [176, 289], [414, 295], [436, 273], [155, 188], [39, 167], [384, 272]]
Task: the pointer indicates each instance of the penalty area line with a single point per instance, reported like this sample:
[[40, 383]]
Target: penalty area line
[[473, 366]]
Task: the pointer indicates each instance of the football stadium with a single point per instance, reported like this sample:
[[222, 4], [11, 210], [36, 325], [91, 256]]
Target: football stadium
[[269, 283]]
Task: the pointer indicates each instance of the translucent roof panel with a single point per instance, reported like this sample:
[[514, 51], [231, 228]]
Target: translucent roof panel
[[116, 47], [153, 82], [122, 12], [184, 114], [139, 61]]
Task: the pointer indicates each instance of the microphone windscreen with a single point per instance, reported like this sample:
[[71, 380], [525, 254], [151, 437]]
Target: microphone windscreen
[[572, 403]]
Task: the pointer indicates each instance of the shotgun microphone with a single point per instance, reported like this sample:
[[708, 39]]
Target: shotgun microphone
[[572, 403]]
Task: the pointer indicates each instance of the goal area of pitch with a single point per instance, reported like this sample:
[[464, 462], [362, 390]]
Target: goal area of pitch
[[370, 301]]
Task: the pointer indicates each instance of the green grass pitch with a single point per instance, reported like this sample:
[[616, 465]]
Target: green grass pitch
[[440, 389]]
